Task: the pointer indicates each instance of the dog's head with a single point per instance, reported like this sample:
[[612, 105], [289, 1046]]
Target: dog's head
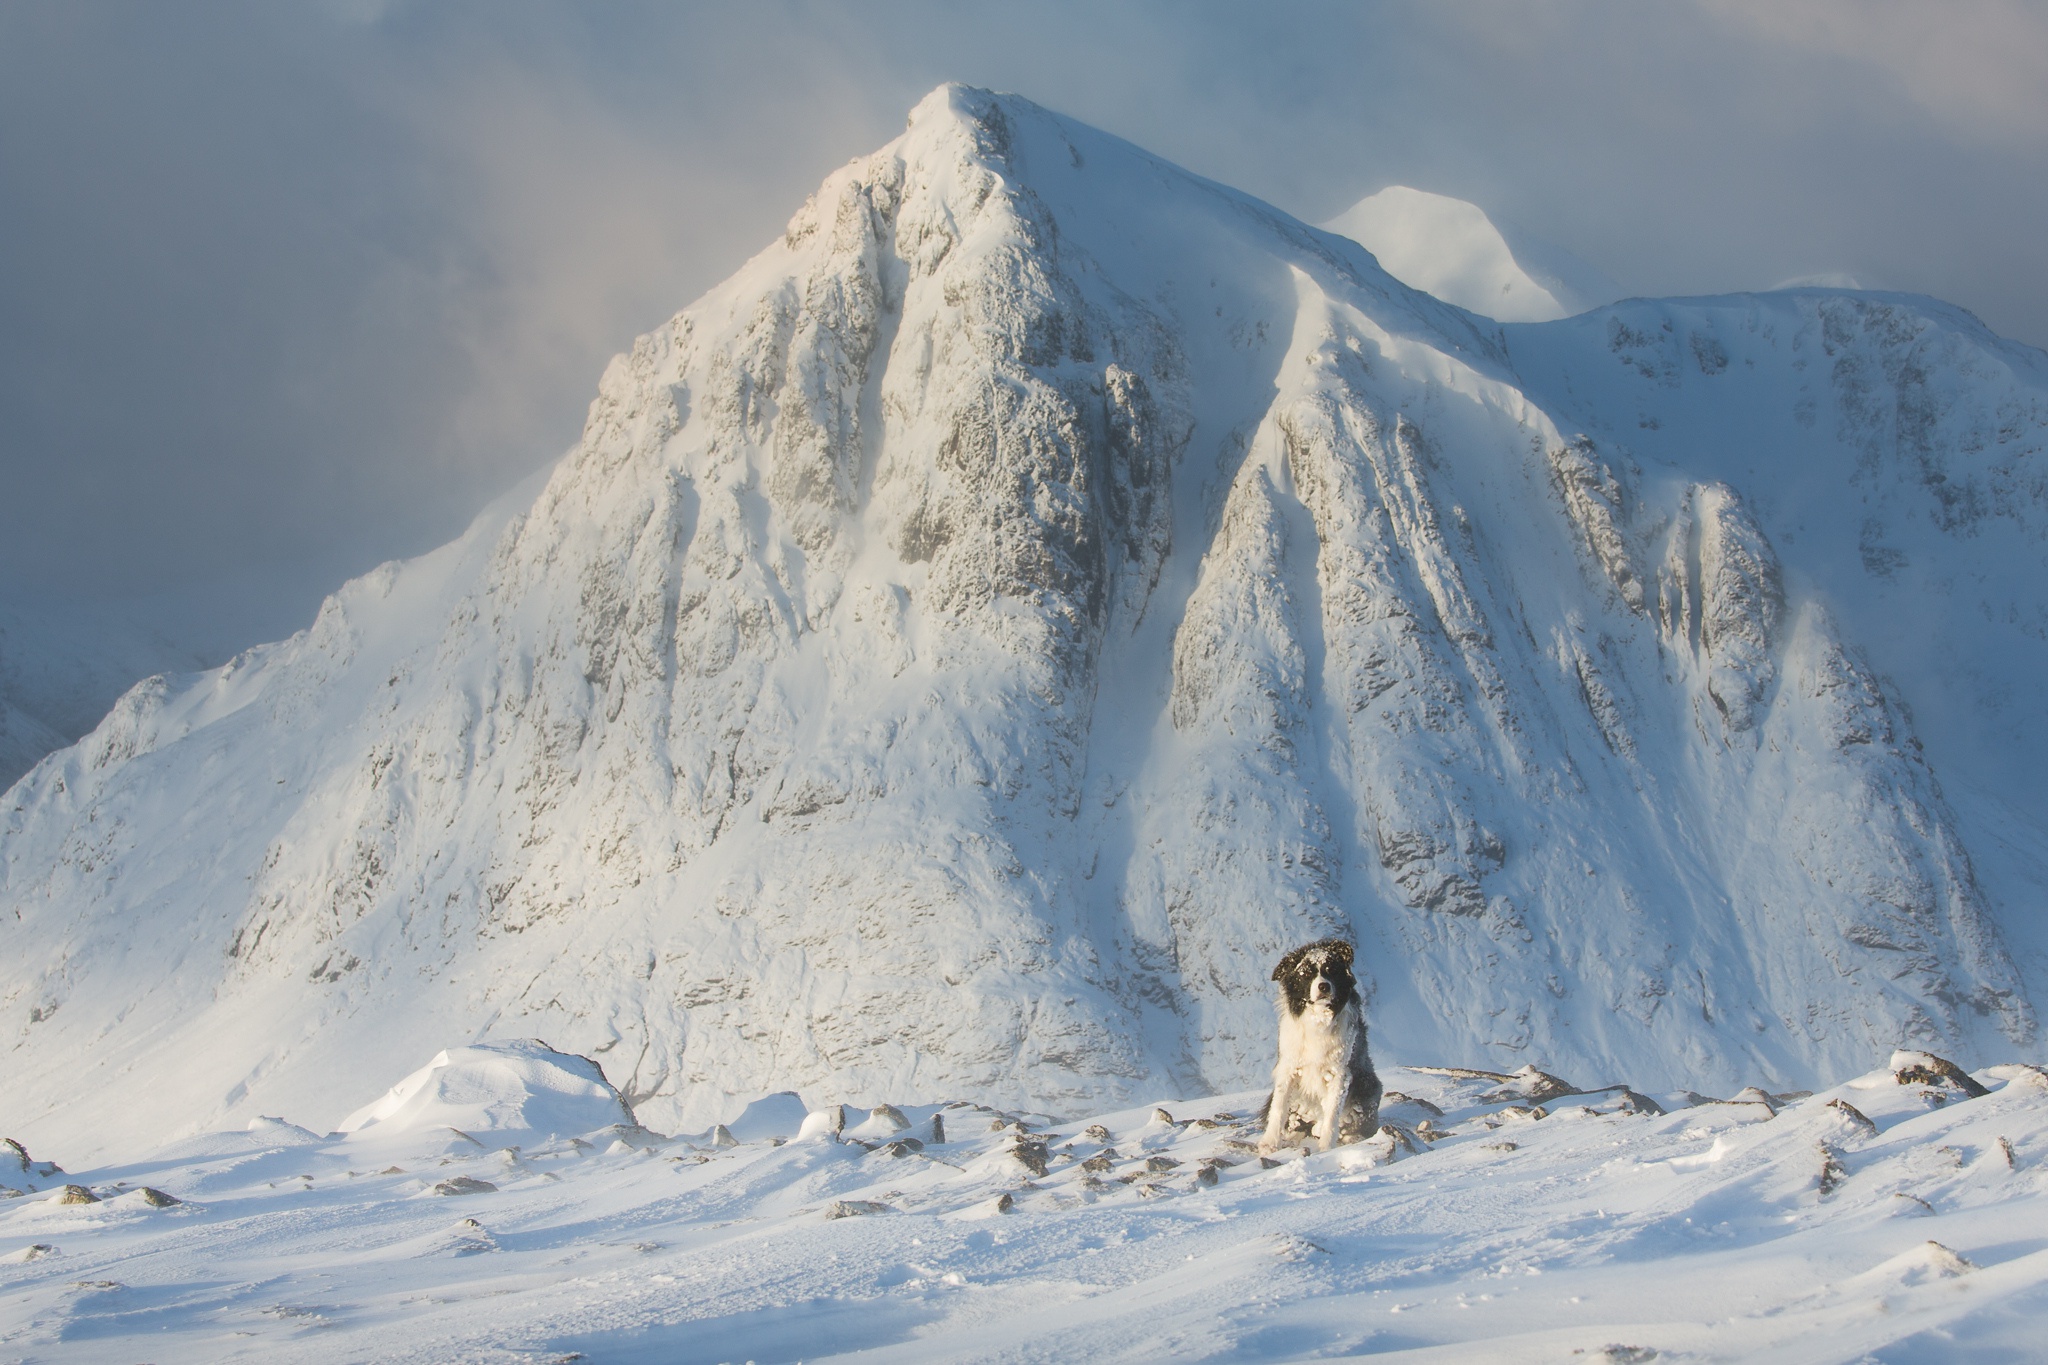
[[1317, 974]]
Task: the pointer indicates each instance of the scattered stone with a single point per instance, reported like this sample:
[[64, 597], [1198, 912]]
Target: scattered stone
[[1924, 1068], [1945, 1261], [1206, 1176], [2012, 1163], [76, 1194], [1751, 1094], [1394, 1097], [1856, 1118], [1157, 1164], [392, 1170], [1152, 1191], [97, 1284], [1289, 1247], [1635, 1102], [889, 1114], [1462, 1073], [721, 1136], [902, 1147], [35, 1252], [1404, 1135], [1248, 1148], [2023, 1073], [157, 1199], [938, 1131], [1226, 1118], [1267, 1163], [828, 1122], [1161, 1116], [470, 1238], [1204, 1123], [1004, 1203], [1502, 1147], [463, 1184], [1617, 1354], [1832, 1171], [1525, 1113], [1030, 1155], [1532, 1086], [1928, 1261], [1095, 1132], [1910, 1205], [854, 1208], [1100, 1163]]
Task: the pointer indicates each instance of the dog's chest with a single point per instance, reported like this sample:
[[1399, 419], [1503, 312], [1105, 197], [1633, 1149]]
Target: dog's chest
[[1316, 1045]]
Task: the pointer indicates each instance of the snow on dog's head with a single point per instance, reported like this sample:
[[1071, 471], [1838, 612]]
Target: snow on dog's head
[[1318, 973], [514, 1089]]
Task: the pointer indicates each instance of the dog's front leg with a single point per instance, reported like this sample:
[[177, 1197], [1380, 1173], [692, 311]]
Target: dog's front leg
[[1335, 1088], [1277, 1109]]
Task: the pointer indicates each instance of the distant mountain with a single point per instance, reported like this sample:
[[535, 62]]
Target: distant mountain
[[1452, 249], [970, 644], [62, 669]]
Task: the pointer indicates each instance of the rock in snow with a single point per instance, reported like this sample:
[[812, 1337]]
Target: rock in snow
[[511, 1090], [970, 644]]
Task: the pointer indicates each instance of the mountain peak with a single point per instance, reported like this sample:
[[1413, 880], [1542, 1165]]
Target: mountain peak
[[970, 644], [1452, 249]]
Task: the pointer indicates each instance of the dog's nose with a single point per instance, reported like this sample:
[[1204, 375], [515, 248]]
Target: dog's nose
[[1321, 988]]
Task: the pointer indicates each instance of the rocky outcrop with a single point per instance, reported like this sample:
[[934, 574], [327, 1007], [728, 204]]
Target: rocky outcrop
[[966, 648]]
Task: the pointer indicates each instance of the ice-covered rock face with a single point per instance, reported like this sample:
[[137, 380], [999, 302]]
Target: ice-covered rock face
[[971, 645]]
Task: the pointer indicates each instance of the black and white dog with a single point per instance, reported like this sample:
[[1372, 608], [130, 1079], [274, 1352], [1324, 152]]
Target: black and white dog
[[1323, 1085]]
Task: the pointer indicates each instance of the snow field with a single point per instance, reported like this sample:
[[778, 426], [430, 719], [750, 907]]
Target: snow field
[[1523, 1225]]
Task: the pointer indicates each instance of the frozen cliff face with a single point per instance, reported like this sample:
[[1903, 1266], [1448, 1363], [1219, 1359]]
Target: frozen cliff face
[[969, 645]]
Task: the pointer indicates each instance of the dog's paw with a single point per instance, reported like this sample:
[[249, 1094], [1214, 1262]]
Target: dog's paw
[[1267, 1146]]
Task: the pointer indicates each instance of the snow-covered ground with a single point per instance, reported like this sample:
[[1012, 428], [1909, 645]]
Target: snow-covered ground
[[1887, 1219]]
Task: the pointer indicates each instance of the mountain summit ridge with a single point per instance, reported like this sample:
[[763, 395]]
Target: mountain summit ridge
[[969, 644]]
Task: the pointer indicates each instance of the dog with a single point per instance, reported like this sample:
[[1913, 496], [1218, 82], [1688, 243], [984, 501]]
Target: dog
[[1323, 1084]]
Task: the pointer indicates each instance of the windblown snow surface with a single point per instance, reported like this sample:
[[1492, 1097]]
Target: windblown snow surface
[[967, 647], [1899, 1217]]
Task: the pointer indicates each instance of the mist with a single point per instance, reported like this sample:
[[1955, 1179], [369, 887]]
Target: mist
[[285, 292]]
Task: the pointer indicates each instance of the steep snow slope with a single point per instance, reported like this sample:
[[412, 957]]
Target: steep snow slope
[[60, 671], [1452, 249], [970, 644]]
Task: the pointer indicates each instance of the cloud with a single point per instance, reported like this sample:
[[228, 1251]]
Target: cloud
[[1980, 66]]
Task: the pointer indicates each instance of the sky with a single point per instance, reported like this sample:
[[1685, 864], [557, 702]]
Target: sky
[[286, 291]]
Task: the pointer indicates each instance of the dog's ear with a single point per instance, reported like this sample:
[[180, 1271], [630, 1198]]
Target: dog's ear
[[1286, 965], [1341, 951]]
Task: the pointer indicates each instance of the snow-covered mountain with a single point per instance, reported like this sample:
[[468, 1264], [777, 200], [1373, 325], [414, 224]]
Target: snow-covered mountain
[[1452, 249], [61, 669], [968, 645]]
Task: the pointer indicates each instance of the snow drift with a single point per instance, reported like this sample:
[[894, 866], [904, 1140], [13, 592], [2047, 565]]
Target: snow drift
[[510, 1090], [970, 644]]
